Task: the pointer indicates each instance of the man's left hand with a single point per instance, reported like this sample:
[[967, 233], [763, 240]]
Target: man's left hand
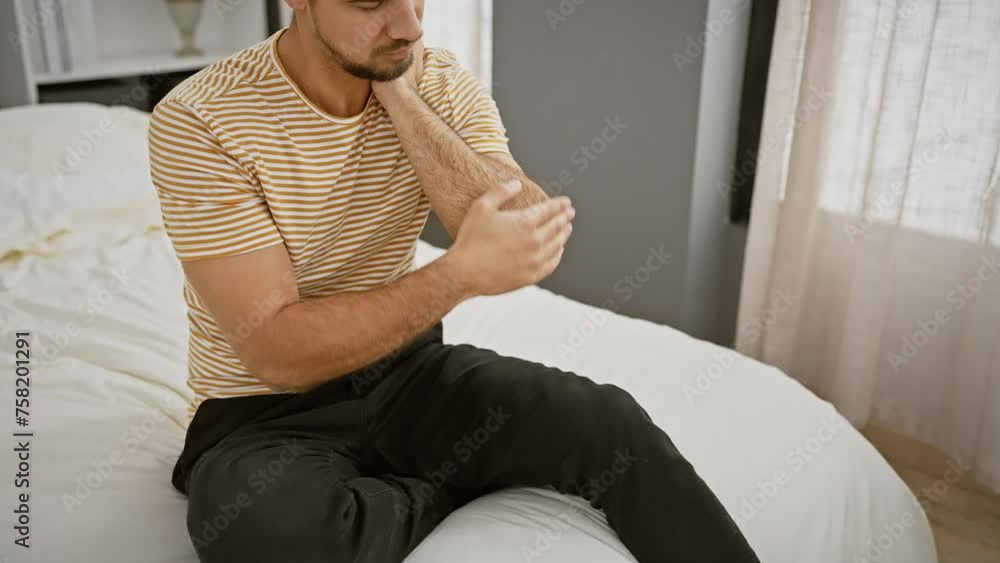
[[410, 80]]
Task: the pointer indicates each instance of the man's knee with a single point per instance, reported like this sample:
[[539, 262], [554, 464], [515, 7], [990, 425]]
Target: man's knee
[[620, 406], [628, 425], [239, 509], [224, 509]]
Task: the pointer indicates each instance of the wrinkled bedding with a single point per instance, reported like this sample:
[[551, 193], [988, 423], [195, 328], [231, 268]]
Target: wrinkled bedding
[[86, 267]]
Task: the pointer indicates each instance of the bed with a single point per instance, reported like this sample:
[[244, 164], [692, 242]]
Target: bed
[[86, 266]]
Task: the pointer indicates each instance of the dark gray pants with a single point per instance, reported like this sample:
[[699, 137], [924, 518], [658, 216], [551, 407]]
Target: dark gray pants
[[363, 467]]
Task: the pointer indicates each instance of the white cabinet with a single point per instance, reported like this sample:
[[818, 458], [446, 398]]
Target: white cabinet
[[130, 39], [122, 38]]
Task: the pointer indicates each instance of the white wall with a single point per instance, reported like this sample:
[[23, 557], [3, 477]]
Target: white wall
[[464, 27]]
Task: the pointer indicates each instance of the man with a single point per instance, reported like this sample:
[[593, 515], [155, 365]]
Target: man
[[330, 422]]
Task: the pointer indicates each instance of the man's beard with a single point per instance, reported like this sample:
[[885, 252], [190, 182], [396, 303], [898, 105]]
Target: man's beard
[[368, 72]]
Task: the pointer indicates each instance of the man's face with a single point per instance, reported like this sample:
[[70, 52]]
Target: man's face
[[370, 39]]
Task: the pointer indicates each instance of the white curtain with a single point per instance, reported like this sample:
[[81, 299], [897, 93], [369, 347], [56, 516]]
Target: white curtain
[[875, 215]]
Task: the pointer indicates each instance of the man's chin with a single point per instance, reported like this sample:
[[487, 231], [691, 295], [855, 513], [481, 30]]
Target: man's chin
[[380, 67], [378, 74], [391, 72]]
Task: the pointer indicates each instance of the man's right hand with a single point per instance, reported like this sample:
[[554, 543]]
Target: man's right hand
[[497, 250]]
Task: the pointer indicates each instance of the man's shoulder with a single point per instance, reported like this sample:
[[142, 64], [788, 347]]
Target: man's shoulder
[[445, 78], [439, 56], [441, 65], [224, 78]]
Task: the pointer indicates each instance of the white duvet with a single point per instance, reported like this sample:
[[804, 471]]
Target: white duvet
[[96, 283]]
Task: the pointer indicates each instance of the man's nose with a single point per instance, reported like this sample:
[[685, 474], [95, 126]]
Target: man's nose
[[405, 22]]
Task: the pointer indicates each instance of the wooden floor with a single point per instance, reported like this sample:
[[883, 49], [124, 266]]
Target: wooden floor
[[966, 518]]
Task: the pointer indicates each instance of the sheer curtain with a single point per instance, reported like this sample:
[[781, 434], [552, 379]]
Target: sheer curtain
[[876, 215]]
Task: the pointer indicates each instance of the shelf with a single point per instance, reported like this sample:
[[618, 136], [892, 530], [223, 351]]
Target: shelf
[[133, 66]]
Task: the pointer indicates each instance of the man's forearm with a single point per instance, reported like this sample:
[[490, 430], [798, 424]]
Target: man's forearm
[[451, 173], [312, 341]]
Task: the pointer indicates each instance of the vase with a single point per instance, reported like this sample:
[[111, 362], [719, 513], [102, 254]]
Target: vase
[[186, 14]]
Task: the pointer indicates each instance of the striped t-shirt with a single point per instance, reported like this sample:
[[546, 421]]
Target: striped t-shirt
[[242, 160]]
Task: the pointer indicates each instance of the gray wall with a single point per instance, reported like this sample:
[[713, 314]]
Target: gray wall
[[555, 89], [560, 71]]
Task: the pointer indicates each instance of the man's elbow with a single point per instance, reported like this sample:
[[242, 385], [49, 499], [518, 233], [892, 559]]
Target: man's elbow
[[269, 368], [531, 195], [260, 354], [280, 381], [532, 192]]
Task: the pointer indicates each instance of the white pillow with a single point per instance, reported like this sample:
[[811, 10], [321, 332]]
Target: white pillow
[[72, 139], [71, 173], [51, 215]]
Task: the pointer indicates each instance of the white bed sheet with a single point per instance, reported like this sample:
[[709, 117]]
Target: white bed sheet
[[108, 398]]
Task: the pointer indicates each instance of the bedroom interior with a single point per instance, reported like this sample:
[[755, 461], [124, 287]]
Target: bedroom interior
[[785, 247]]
